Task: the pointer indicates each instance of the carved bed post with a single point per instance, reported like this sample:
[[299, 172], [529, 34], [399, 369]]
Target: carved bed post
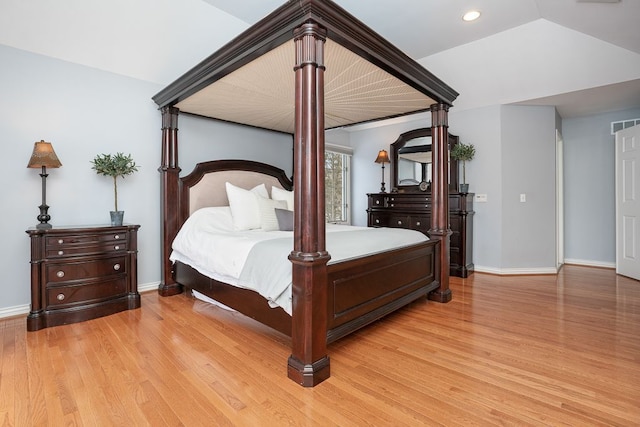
[[308, 364], [440, 227], [170, 180]]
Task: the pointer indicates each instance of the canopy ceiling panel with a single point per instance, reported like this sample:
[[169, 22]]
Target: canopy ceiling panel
[[251, 79], [261, 93]]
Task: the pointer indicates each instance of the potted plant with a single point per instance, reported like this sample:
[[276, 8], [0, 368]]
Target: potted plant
[[116, 165], [464, 153]]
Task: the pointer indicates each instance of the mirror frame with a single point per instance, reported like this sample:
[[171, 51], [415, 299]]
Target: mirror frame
[[403, 140]]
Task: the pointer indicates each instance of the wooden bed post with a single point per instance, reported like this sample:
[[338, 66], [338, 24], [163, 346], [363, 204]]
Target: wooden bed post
[[440, 227], [170, 180], [308, 363]]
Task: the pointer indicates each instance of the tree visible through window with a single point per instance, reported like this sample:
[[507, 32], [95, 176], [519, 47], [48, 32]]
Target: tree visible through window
[[336, 176]]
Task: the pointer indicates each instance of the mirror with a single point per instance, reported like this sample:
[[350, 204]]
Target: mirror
[[411, 162]]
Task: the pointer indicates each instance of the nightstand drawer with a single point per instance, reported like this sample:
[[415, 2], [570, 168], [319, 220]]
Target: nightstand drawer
[[84, 239], [84, 269], [60, 296], [74, 250]]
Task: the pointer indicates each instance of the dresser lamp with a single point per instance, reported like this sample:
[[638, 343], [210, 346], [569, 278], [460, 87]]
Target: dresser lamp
[[43, 157], [383, 157]]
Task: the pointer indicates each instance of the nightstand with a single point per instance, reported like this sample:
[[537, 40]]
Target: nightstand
[[80, 273]]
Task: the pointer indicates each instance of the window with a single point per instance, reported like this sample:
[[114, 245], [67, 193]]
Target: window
[[337, 184]]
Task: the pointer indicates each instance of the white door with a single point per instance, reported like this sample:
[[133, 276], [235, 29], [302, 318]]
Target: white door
[[628, 202]]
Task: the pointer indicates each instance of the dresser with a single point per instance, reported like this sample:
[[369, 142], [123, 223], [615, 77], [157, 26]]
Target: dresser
[[80, 273], [413, 210]]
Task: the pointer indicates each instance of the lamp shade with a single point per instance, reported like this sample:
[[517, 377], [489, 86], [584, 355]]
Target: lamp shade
[[43, 155], [383, 157]]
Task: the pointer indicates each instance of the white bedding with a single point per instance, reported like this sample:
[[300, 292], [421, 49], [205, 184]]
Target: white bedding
[[257, 259]]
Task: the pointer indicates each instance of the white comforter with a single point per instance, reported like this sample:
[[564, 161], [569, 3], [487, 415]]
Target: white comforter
[[258, 260]]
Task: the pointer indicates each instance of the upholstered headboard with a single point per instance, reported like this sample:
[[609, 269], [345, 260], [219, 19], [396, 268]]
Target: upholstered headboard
[[205, 185], [210, 190]]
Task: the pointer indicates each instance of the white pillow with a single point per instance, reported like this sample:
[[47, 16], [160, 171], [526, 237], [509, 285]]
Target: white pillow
[[268, 218], [280, 194], [244, 206]]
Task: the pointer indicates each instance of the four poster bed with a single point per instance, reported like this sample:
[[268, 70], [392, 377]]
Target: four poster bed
[[306, 67]]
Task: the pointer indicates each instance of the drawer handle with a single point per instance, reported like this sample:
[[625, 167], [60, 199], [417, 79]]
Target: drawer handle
[[391, 204], [116, 267], [60, 252], [399, 222], [60, 273], [377, 221], [117, 248], [60, 297], [377, 202], [393, 199], [117, 237], [418, 223], [60, 241]]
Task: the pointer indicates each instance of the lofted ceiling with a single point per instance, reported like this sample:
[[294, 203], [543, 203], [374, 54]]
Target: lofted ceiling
[[583, 56], [422, 28]]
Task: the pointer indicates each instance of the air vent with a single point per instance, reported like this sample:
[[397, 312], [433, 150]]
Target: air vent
[[598, 1], [623, 124]]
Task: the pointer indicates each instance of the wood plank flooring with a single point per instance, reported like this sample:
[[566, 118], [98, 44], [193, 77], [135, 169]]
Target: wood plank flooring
[[517, 351]]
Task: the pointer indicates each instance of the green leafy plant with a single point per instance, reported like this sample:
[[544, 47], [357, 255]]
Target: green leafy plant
[[464, 153], [114, 165]]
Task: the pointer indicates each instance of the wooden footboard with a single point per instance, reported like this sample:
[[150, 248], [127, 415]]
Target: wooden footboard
[[364, 290], [359, 291]]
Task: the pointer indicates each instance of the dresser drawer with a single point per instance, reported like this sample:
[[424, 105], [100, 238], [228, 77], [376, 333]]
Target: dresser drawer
[[378, 219], [57, 272], [416, 201], [420, 223], [399, 221], [60, 296], [377, 200]]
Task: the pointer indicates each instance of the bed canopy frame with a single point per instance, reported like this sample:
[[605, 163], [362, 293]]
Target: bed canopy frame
[[306, 67]]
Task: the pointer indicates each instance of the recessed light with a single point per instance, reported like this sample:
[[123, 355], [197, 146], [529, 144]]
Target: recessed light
[[472, 15]]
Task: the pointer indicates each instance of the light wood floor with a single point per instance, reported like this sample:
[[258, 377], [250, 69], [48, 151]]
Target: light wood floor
[[524, 350]]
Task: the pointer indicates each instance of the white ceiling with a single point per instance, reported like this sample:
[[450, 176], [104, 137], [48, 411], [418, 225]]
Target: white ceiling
[[580, 55]]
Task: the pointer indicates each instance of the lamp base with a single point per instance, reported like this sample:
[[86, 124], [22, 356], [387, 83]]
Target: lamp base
[[44, 216]]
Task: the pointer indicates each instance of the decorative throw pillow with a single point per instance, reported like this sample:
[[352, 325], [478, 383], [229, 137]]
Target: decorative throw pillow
[[244, 206], [267, 207], [280, 194], [285, 219]]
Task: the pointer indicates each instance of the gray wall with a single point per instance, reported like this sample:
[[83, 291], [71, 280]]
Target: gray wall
[[511, 143], [589, 179], [84, 112], [528, 163]]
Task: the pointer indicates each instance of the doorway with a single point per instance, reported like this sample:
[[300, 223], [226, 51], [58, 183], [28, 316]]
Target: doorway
[[628, 202]]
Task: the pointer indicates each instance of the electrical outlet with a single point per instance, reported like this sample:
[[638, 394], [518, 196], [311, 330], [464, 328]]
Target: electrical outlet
[[481, 198], [523, 198]]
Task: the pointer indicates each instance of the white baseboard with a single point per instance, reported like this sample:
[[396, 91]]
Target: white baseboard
[[151, 286], [17, 310], [515, 271], [590, 263], [20, 310], [541, 270]]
